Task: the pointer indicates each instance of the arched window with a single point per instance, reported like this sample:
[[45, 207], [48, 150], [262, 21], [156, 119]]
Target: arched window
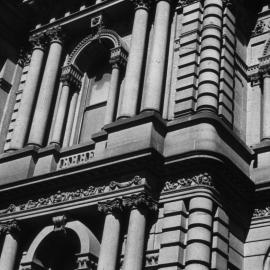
[[99, 60]]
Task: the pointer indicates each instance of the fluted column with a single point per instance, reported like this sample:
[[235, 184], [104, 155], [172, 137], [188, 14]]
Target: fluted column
[[154, 82], [10, 247], [266, 107], [71, 80], [199, 236], [140, 204], [29, 94], [42, 111], [111, 234], [208, 88], [133, 76]]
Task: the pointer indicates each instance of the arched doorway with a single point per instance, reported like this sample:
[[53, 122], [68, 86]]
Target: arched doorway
[[71, 247]]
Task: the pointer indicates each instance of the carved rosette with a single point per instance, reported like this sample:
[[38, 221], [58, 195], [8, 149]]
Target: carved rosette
[[55, 34], [38, 41], [259, 28], [10, 227], [144, 4], [113, 206], [118, 57], [140, 201], [71, 76]]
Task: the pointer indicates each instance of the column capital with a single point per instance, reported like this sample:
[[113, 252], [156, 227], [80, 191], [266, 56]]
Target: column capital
[[144, 4], [55, 34], [71, 76], [184, 3], [109, 207], [10, 227], [140, 201], [38, 41], [118, 57]]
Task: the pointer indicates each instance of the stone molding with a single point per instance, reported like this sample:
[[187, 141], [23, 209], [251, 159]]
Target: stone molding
[[85, 262], [67, 196], [140, 201], [9, 227], [109, 207], [184, 3], [202, 179], [145, 4], [71, 76]]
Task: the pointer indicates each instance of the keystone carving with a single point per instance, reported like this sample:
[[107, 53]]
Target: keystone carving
[[59, 223]]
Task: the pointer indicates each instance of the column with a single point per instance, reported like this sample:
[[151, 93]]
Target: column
[[128, 105], [140, 204], [43, 107], [266, 107], [70, 119], [9, 251], [29, 93], [208, 86], [199, 236], [154, 82], [71, 80], [111, 234]]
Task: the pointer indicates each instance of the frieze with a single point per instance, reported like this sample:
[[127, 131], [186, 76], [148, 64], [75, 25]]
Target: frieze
[[264, 212], [201, 179], [75, 160], [66, 196]]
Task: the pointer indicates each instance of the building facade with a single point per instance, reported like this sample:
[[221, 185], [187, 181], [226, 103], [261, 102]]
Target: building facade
[[134, 134]]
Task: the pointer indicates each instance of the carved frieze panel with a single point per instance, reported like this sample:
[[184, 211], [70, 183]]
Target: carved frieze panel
[[202, 179], [67, 196]]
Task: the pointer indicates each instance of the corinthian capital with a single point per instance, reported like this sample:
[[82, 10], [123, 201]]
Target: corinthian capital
[[38, 41], [55, 34], [141, 200], [145, 4], [9, 227], [114, 206]]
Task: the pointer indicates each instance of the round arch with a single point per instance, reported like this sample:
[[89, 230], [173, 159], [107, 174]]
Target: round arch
[[88, 242], [106, 34]]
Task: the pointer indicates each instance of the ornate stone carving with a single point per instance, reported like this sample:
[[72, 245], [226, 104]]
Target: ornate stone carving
[[264, 65], [184, 3], [24, 58], [55, 34], [59, 223], [9, 227], [118, 56], [38, 41], [71, 75], [146, 4], [265, 212], [201, 179], [259, 28], [66, 196], [141, 200], [85, 263], [151, 259], [113, 206]]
